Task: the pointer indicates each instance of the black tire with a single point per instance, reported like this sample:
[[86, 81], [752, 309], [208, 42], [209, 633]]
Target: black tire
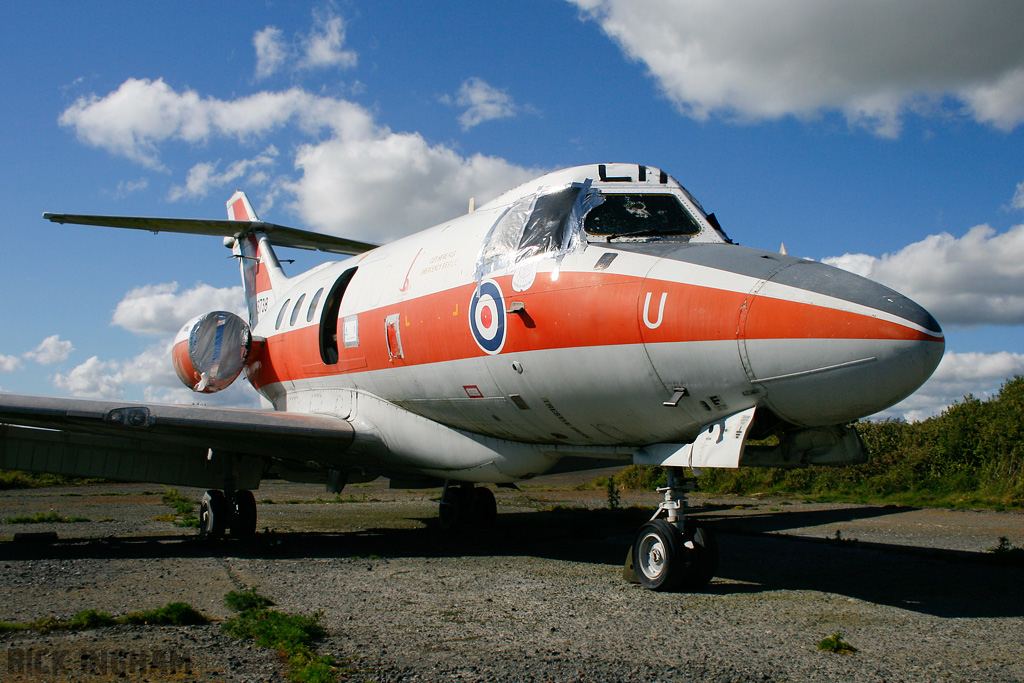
[[213, 514], [485, 508], [703, 557], [243, 522], [451, 510], [659, 556]]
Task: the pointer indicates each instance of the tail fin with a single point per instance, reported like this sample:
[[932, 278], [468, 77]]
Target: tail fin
[[261, 271]]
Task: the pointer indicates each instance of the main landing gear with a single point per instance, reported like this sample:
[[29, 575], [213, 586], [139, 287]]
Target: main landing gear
[[464, 505], [671, 552], [220, 511]]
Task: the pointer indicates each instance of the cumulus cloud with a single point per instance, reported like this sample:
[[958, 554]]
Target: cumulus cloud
[[10, 363], [52, 350], [404, 183], [1018, 197], [150, 373], [958, 374], [271, 51], [322, 47], [203, 177], [142, 114], [161, 310], [871, 60], [977, 279], [483, 102]]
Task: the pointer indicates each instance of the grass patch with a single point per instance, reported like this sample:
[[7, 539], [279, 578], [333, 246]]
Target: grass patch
[[292, 635], [835, 643], [51, 517], [14, 479], [172, 614], [184, 509]]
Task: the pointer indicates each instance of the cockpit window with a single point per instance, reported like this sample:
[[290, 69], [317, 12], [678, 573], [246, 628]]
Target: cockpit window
[[640, 215], [538, 226], [545, 230]]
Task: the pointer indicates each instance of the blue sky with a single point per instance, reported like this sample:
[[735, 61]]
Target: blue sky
[[883, 137]]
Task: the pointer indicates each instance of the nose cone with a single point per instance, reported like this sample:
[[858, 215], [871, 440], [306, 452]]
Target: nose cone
[[825, 346]]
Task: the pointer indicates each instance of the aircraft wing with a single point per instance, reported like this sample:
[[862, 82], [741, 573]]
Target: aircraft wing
[[172, 444], [279, 235]]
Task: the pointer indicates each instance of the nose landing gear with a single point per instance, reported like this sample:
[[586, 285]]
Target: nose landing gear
[[671, 552]]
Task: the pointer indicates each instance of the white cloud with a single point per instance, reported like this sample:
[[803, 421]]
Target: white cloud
[[404, 184], [203, 177], [323, 45], [51, 350], [142, 114], [151, 374], [1018, 197], [10, 363], [127, 187], [161, 310], [977, 279], [958, 374], [871, 60], [271, 51], [483, 102], [92, 379]]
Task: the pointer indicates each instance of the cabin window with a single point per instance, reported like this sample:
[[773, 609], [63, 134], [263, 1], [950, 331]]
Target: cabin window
[[312, 305], [295, 311], [329, 318], [280, 316], [640, 215]]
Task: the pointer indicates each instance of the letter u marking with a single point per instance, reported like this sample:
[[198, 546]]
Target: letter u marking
[[661, 311]]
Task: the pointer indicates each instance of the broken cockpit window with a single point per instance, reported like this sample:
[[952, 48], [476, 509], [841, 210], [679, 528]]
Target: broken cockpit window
[[543, 225], [640, 215]]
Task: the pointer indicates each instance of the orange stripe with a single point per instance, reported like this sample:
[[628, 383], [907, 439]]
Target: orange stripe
[[578, 310]]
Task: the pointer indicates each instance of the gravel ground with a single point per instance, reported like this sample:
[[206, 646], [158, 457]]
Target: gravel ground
[[538, 598]]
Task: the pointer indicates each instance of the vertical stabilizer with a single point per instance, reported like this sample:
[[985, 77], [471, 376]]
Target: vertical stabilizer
[[261, 271]]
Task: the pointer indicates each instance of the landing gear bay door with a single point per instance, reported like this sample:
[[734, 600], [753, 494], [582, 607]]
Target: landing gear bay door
[[719, 444]]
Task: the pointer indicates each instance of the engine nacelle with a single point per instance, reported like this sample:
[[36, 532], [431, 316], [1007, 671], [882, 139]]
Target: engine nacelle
[[210, 351]]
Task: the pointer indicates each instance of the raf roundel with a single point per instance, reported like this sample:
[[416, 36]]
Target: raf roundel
[[487, 317]]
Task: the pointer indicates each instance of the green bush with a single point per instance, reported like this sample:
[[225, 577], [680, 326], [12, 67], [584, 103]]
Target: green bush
[[971, 454]]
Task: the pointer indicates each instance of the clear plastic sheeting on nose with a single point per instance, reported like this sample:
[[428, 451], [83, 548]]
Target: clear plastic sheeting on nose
[[548, 224]]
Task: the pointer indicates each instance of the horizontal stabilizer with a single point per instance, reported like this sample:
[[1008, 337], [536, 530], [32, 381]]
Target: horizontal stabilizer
[[279, 235]]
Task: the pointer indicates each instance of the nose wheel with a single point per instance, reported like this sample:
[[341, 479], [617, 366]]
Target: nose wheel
[[670, 552]]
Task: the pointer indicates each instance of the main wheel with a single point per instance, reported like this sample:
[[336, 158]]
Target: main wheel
[[485, 508], [452, 507], [213, 514], [659, 556], [243, 522]]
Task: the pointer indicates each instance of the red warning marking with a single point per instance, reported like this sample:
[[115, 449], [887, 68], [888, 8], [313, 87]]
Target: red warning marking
[[473, 391]]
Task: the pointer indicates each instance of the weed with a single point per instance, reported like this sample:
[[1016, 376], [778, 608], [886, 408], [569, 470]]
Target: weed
[[839, 540], [45, 518], [290, 634], [178, 501], [171, 614], [613, 495], [835, 643], [241, 601]]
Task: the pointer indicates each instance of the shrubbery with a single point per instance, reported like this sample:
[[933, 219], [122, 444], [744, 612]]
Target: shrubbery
[[970, 455]]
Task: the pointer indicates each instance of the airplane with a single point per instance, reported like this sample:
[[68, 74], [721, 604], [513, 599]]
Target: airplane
[[597, 315]]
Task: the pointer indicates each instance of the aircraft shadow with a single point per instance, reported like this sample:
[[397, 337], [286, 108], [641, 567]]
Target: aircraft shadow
[[941, 583]]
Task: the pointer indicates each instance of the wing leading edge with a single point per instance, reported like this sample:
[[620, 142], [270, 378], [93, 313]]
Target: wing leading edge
[[171, 444], [279, 235]]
